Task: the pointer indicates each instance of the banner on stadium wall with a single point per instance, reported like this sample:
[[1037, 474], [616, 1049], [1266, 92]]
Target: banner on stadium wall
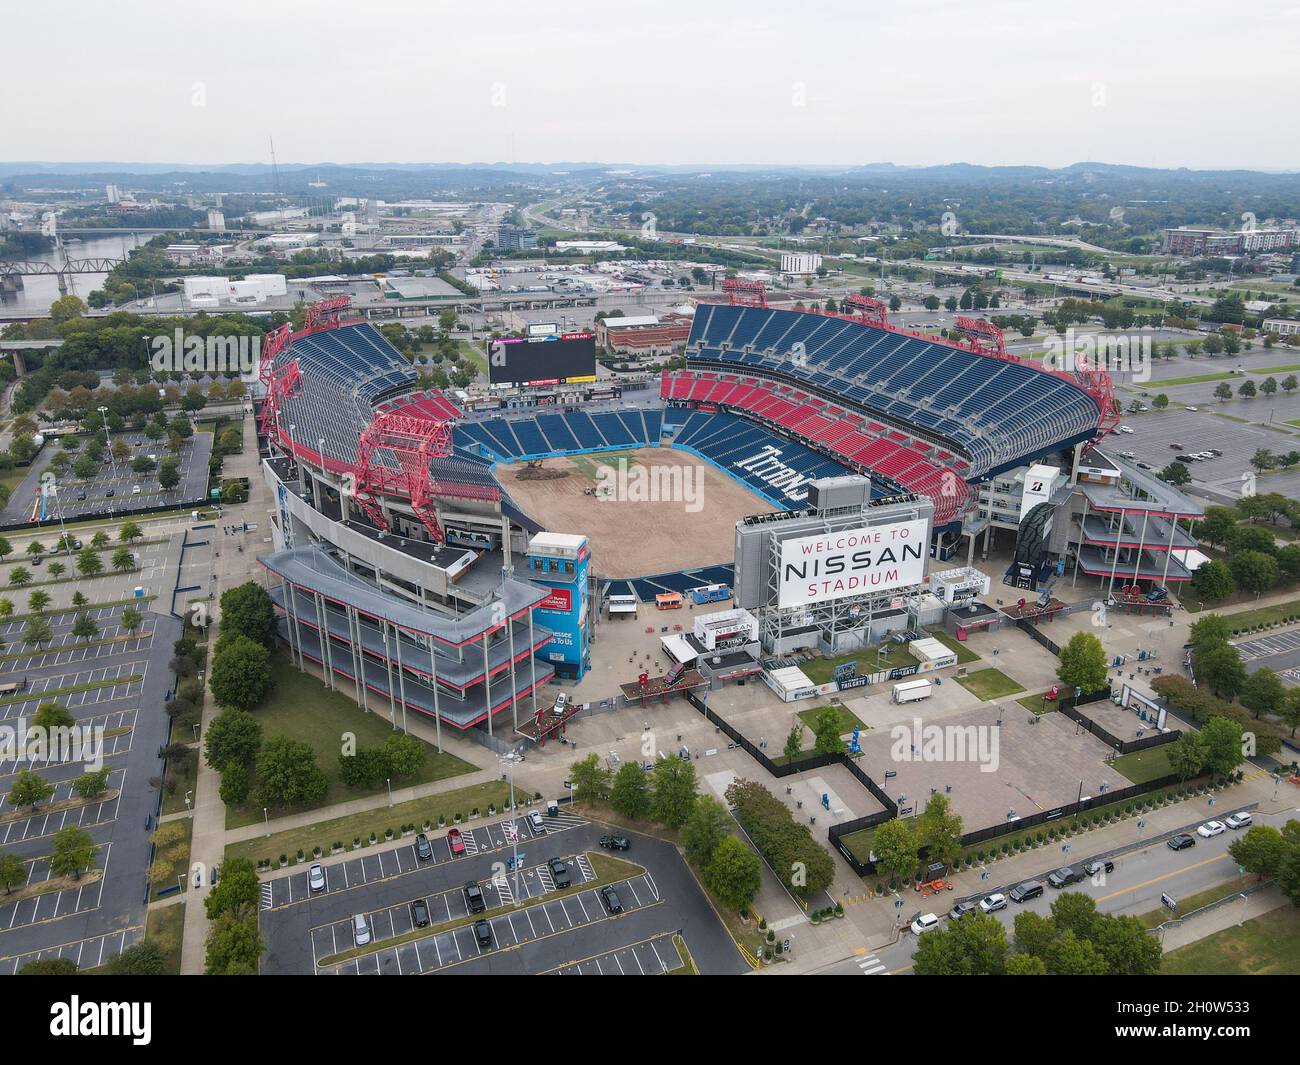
[[830, 566]]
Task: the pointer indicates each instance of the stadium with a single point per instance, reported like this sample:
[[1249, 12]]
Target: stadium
[[404, 560]]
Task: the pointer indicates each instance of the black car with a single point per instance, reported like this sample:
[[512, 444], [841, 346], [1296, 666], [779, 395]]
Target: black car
[[610, 897], [1064, 876], [560, 872], [962, 909], [483, 933], [474, 897], [1023, 892], [110, 492], [81, 495], [1103, 865], [420, 913], [423, 848], [1181, 842], [615, 843]]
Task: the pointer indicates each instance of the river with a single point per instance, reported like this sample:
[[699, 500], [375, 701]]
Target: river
[[40, 291]]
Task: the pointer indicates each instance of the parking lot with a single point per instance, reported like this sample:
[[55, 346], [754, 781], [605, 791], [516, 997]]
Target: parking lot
[[400, 859], [122, 680], [116, 489], [653, 957], [540, 927], [1275, 643], [55, 904]]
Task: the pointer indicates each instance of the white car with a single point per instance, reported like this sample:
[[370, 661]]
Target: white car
[[535, 819], [994, 902], [1211, 828], [1194, 410], [924, 922], [316, 878], [1235, 821], [1125, 429]]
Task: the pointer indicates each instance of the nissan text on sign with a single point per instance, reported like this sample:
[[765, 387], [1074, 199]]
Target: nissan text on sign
[[829, 566]]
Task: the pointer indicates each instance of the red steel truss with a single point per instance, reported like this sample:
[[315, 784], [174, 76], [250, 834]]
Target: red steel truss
[[873, 311], [412, 443], [744, 293], [985, 336]]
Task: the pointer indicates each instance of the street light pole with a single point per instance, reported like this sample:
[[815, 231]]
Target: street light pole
[[514, 842]]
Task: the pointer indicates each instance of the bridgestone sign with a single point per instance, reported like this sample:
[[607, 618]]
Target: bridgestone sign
[[830, 566]]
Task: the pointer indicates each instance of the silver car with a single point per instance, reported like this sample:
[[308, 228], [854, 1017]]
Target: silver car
[[316, 878]]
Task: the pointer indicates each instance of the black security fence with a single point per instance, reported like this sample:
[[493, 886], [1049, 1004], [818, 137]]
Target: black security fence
[[1111, 740]]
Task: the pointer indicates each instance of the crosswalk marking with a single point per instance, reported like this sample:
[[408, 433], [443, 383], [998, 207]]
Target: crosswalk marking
[[872, 966]]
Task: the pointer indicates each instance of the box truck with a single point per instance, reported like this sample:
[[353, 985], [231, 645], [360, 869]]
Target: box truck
[[910, 691]]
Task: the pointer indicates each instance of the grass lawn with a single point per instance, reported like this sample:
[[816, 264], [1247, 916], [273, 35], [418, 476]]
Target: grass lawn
[[859, 844], [165, 926], [1142, 766], [990, 684], [1265, 945], [1169, 382], [964, 654], [346, 829], [180, 776], [848, 719], [302, 707], [822, 670], [1189, 903], [1036, 704], [180, 866], [1252, 619]]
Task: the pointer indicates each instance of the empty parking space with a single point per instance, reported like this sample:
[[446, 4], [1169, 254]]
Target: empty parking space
[[110, 682], [653, 957], [84, 953], [115, 731], [53, 905], [1275, 643], [43, 822]]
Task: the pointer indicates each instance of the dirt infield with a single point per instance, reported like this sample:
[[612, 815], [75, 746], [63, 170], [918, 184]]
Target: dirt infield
[[666, 510]]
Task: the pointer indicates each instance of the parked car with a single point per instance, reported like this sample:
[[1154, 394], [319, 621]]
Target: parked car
[[420, 913], [1194, 410], [614, 843], [1026, 890], [993, 903], [1101, 865], [483, 933], [360, 929], [110, 492], [560, 872], [923, 923], [611, 900], [1125, 429], [474, 897], [423, 848], [1181, 842], [316, 878], [535, 820], [456, 841], [1233, 821], [962, 909], [561, 704], [1064, 876], [1211, 828]]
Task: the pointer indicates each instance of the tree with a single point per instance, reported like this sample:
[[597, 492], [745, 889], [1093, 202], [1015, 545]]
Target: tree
[[247, 610], [404, 754], [974, 946], [1223, 391], [1223, 746], [672, 791], [237, 889], [72, 852], [89, 564], [897, 849], [52, 715], [49, 967], [13, 872], [1083, 663], [1176, 473], [708, 825], [1261, 851], [241, 672], [1160, 402], [237, 785], [794, 741], [590, 779], [91, 785], [1210, 631], [168, 475], [30, 789], [140, 959], [233, 738], [38, 601], [122, 560], [287, 773], [37, 632], [1213, 581], [1290, 712], [939, 830], [20, 576], [629, 794], [234, 944], [826, 731], [85, 627], [1263, 693], [799, 861], [1187, 755], [733, 874], [1025, 965], [1254, 571], [130, 532], [1221, 670]]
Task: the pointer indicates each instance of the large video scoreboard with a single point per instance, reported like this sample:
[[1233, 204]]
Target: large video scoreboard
[[564, 358]]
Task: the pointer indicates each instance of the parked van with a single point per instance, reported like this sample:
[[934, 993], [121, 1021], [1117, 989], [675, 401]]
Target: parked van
[[361, 929]]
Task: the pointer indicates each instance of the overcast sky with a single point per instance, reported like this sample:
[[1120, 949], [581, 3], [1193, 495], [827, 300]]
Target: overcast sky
[[1145, 82]]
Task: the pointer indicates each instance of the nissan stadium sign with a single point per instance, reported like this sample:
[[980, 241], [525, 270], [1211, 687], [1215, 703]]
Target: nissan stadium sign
[[830, 566]]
